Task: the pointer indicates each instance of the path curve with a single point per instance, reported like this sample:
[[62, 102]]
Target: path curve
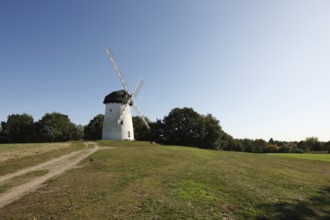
[[55, 168]]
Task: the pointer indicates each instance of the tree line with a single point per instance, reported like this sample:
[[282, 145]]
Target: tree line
[[261, 146], [182, 126], [52, 127]]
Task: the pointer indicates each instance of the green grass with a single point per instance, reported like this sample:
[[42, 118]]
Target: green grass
[[104, 143], [314, 156], [139, 180], [21, 179]]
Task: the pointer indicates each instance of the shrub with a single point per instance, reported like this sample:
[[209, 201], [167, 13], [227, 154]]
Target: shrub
[[272, 148], [284, 149], [298, 150]]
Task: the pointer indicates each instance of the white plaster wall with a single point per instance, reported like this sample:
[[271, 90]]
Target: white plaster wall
[[111, 129]]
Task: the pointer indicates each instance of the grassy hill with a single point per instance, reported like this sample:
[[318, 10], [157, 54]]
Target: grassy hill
[[144, 181]]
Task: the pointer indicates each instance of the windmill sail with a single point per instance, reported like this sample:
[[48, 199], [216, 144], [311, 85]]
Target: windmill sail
[[118, 119]]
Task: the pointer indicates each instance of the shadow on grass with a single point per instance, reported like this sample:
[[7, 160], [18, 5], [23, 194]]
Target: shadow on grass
[[317, 207]]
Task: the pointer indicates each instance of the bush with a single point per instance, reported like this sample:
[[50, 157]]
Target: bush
[[284, 149], [298, 151], [271, 148]]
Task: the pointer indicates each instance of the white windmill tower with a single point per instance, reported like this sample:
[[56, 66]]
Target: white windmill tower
[[118, 123]]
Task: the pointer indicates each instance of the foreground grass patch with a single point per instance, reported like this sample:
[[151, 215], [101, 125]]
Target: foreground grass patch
[[21, 156], [320, 157], [144, 181], [21, 179], [197, 192]]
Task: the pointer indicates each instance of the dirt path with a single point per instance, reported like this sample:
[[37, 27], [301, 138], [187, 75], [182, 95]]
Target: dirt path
[[55, 168]]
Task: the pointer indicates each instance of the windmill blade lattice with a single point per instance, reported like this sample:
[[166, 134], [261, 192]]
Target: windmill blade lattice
[[134, 94], [137, 88], [120, 75], [140, 115], [123, 113]]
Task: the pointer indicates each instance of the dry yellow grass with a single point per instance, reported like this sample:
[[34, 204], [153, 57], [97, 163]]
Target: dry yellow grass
[[17, 151]]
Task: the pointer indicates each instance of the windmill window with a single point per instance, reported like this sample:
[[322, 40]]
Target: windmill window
[[110, 110], [129, 134], [121, 122]]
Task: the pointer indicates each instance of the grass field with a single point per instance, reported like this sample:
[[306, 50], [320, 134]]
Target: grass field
[[21, 179], [138, 180], [18, 156], [321, 157]]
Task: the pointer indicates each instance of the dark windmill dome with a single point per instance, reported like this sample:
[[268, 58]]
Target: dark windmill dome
[[120, 96]]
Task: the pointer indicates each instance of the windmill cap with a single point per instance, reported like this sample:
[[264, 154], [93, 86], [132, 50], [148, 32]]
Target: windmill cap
[[116, 97]]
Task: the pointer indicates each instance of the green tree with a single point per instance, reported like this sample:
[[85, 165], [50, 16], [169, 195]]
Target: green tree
[[260, 145], [3, 133], [302, 145], [19, 128], [76, 132], [93, 131], [54, 127], [157, 132], [271, 148], [228, 143], [327, 146], [288, 147], [211, 132], [141, 132], [313, 143], [247, 145], [184, 126]]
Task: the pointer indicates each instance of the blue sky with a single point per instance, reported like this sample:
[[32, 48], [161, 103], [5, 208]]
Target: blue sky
[[261, 67]]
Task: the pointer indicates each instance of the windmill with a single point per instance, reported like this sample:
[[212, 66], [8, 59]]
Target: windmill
[[118, 124]]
